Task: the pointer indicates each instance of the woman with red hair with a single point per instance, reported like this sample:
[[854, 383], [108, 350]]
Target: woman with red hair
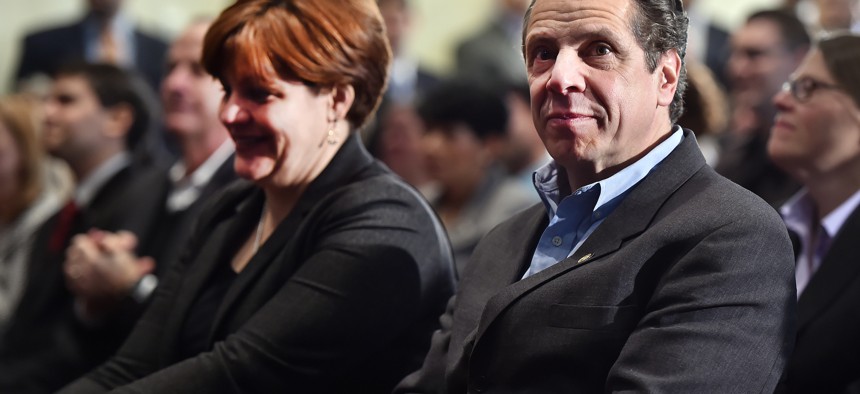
[[324, 273]]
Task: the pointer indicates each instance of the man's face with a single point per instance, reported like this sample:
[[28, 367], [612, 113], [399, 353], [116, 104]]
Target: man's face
[[759, 63], [397, 23], [456, 157], [75, 120], [190, 96], [594, 102]]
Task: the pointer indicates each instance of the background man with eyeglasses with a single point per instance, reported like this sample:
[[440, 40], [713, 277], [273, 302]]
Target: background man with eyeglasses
[[643, 270], [764, 52]]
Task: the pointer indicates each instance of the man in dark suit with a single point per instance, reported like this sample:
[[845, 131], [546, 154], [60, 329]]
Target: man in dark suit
[[815, 139], [643, 271], [93, 114], [103, 35], [492, 56], [106, 262]]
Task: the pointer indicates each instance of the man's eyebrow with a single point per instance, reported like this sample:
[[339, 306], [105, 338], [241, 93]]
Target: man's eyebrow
[[601, 33]]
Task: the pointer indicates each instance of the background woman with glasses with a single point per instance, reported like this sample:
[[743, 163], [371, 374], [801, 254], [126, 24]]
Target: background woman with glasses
[[816, 139]]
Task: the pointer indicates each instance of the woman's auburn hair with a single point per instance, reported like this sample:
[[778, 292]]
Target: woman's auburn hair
[[21, 115], [323, 43]]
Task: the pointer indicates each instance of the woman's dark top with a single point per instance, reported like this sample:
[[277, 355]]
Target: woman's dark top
[[342, 298]]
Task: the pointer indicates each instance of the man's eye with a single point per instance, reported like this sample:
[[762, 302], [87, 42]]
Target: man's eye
[[602, 50], [543, 53]]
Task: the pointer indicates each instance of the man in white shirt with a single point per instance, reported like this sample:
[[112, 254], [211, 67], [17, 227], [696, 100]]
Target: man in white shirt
[[104, 268], [93, 114]]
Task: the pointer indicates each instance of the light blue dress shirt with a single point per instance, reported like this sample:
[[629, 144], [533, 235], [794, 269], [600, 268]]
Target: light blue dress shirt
[[573, 218]]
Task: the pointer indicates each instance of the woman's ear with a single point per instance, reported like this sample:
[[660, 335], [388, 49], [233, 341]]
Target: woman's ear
[[343, 97]]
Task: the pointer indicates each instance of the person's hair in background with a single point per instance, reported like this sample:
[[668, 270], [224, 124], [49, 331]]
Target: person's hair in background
[[842, 55], [706, 110], [791, 29], [297, 46], [19, 116], [659, 26], [114, 86]]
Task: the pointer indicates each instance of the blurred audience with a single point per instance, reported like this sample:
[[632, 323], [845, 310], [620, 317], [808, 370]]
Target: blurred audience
[[93, 114], [32, 188], [493, 56], [524, 151], [464, 142], [707, 43], [407, 79], [705, 110], [108, 280], [397, 143], [104, 35], [765, 50], [323, 273], [816, 138]]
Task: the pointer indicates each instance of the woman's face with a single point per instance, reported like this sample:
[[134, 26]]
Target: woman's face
[[10, 163], [281, 127], [820, 134]]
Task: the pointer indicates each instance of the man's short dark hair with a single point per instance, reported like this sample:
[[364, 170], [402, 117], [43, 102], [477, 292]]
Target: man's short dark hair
[[659, 26], [481, 109], [791, 29], [114, 86]]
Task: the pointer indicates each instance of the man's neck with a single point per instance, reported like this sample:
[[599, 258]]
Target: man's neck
[[196, 150], [84, 166]]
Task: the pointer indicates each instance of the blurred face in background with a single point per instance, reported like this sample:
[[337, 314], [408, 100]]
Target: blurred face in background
[[10, 163], [398, 20], [190, 96], [74, 119], [400, 144], [456, 157], [835, 14], [759, 63], [820, 133]]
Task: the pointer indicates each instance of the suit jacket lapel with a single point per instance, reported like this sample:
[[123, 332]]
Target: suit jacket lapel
[[630, 218], [839, 267], [226, 237], [280, 248]]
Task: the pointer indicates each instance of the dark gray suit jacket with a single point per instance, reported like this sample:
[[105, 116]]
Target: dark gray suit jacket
[[826, 356], [343, 297], [687, 287]]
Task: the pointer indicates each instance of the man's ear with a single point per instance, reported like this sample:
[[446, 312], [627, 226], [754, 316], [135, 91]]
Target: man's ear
[[119, 120], [669, 72], [343, 97]]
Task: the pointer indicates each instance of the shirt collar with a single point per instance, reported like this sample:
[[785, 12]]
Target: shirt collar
[[546, 178], [798, 213], [204, 173], [90, 186]]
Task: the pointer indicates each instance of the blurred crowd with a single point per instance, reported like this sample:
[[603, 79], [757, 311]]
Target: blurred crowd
[[112, 144]]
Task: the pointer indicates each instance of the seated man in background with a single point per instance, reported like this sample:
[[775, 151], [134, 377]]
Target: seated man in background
[[94, 113], [644, 270], [816, 139], [464, 141], [104, 263]]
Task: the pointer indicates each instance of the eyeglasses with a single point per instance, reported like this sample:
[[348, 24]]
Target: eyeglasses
[[803, 87]]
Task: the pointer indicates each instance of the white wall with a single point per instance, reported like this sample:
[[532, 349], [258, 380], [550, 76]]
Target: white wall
[[439, 26]]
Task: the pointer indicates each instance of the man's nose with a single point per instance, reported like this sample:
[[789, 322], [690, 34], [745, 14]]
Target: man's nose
[[568, 73]]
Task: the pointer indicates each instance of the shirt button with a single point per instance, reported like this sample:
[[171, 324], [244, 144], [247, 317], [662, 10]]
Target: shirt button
[[556, 240]]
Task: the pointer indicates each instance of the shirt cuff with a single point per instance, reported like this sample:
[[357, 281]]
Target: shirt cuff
[[144, 288]]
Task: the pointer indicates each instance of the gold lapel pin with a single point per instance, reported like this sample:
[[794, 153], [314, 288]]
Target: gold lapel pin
[[584, 258]]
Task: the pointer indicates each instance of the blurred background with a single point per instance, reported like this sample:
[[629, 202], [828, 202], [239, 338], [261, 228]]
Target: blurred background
[[438, 26]]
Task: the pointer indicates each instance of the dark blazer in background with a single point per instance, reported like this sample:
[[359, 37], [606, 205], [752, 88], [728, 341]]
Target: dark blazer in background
[[826, 356], [687, 287], [44, 51], [342, 298], [45, 346]]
